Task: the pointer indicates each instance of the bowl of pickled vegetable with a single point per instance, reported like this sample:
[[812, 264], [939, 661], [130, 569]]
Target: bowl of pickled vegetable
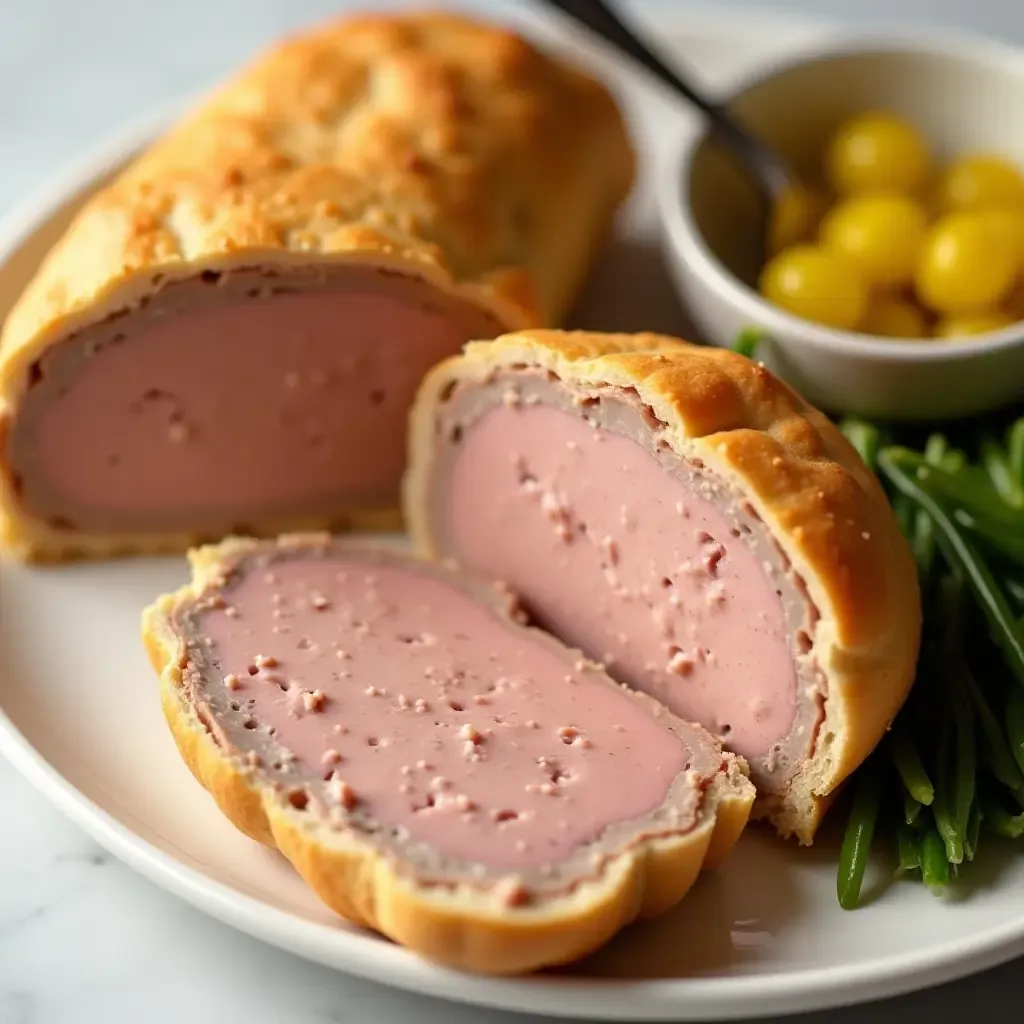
[[890, 282]]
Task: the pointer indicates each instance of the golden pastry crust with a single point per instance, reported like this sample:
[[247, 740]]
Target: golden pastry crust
[[427, 143], [466, 926], [36, 541], [825, 509]]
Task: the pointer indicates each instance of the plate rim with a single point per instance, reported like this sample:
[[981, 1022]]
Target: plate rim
[[369, 956], [366, 955]]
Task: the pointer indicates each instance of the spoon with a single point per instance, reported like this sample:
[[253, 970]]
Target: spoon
[[768, 171]]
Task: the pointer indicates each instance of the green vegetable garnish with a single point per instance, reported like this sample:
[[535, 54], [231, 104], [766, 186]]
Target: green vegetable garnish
[[747, 341], [908, 844], [934, 866], [956, 749], [860, 831]]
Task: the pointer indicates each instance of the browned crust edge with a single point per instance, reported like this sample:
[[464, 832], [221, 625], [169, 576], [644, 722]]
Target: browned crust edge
[[821, 504], [463, 927], [32, 540]]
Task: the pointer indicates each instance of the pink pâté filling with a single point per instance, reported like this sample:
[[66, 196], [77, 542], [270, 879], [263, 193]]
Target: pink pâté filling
[[426, 712], [230, 397], [629, 562]]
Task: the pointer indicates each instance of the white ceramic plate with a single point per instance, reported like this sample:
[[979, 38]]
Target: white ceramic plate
[[79, 716]]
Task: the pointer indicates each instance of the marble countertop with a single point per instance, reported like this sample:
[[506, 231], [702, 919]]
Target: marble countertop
[[82, 937]]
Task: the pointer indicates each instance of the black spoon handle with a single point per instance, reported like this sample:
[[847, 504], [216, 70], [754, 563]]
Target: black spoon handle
[[599, 17]]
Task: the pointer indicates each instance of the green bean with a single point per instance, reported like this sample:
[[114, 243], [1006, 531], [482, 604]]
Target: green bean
[[973, 830], [997, 464], [1000, 822], [911, 809], [1009, 542], [996, 748], [960, 552], [908, 849], [952, 624], [965, 764], [936, 448], [922, 540], [943, 805], [923, 547], [857, 839], [747, 341], [955, 463], [1015, 590], [1015, 724], [904, 509], [953, 808], [934, 866], [1015, 446], [865, 437], [947, 825], [956, 487], [909, 765]]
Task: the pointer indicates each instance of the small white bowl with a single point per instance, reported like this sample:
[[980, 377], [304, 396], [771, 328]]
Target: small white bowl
[[964, 94]]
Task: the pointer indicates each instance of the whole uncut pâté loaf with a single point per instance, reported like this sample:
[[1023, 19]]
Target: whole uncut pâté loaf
[[228, 337], [432, 767], [685, 518]]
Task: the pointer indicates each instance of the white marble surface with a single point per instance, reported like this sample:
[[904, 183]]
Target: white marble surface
[[83, 938]]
